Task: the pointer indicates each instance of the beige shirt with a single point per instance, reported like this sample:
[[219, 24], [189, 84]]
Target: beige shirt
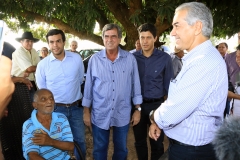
[[23, 59]]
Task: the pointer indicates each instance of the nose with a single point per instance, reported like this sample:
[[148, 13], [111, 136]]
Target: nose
[[173, 32]]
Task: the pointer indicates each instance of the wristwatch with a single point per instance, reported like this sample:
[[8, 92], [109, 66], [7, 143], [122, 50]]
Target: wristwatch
[[139, 108], [151, 115]]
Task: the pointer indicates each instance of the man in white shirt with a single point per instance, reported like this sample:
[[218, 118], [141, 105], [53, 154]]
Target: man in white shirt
[[196, 99], [25, 60]]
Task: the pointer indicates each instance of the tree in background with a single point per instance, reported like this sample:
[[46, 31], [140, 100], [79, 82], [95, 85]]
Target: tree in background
[[79, 17]]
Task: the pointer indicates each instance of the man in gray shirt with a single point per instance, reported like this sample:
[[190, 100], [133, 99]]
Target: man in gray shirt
[[177, 61]]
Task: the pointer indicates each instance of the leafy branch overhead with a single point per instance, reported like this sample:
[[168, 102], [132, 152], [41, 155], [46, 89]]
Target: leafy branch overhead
[[78, 17]]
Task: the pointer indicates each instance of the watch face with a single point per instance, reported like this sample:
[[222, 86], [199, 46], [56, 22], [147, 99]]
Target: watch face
[[139, 108]]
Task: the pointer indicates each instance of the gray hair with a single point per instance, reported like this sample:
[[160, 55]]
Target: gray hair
[[36, 94], [198, 12], [227, 139], [110, 27]]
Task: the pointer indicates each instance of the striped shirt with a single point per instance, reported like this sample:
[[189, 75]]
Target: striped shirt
[[109, 88], [196, 98], [59, 130]]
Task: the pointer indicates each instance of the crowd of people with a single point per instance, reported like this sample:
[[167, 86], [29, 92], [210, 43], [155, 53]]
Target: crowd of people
[[183, 96]]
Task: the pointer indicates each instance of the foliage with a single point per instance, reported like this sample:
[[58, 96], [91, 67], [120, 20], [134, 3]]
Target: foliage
[[78, 17]]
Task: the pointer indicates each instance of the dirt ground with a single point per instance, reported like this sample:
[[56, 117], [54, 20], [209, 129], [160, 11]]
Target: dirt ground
[[130, 144]]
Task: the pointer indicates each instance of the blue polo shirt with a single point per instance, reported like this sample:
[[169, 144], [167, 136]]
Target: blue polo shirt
[[59, 130]]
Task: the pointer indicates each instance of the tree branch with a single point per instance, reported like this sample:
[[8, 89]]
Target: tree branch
[[64, 26]]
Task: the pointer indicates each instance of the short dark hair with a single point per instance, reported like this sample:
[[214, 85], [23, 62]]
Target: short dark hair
[[238, 47], [148, 27], [55, 32]]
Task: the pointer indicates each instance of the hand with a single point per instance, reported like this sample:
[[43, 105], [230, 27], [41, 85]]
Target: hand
[[154, 131], [27, 82], [42, 139], [136, 117], [87, 117], [26, 74]]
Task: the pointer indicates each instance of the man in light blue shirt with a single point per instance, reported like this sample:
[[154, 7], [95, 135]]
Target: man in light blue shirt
[[112, 82], [196, 99], [62, 73]]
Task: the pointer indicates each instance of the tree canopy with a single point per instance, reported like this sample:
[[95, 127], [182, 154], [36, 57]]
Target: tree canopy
[[78, 17]]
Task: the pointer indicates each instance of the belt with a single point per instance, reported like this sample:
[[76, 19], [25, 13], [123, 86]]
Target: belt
[[68, 105], [173, 141], [146, 100]]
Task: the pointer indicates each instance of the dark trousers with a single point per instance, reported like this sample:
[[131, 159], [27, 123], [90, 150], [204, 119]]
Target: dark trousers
[[141, 134], [180, 152], [32, 90]]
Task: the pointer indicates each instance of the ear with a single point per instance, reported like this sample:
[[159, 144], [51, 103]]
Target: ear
[[198, 27], [34, 105], [155, 39]]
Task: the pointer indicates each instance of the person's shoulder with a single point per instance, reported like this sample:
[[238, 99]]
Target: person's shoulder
[[60, 116], [28, 123]]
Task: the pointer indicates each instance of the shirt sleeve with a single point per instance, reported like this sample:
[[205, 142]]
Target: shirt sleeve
[[87, 96], [81, 70], [136, 96], [22, 61], [40, 75], [27, 143]]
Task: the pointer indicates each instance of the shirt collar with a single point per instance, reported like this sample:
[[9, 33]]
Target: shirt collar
[[155, 51], [27, 51], [121, 53], [67, 54], [197, 50]]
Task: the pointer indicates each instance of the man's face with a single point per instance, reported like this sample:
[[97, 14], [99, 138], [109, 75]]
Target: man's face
[[147, 41], [111, 40], [27, 44], [183, 33], [56, 44], [74, 46], [44, 52], [138, 45], [238, 57], [44, 103]]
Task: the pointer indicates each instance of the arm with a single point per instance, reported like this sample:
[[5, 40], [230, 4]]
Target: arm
[[192, 89], [233, 95], [31, 69], [168, 74], [44, 140], [65, 143], [87, 99], [34, 156], [22, 80], [136, 97], [40, 75], [7, 86]]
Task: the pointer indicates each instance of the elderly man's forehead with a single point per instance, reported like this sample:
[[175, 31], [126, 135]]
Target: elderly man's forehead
[[41, 93]]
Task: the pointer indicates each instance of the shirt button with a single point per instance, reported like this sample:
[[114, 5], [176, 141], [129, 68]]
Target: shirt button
[[112, 109], [113, 89], [113, 71], [113, 80], [113, 99]]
